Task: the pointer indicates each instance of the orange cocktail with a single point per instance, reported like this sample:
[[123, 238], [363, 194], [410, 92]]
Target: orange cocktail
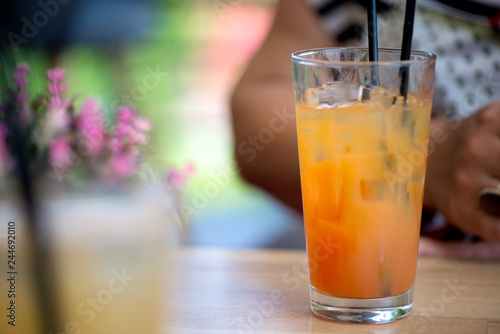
[[362, 181], [363, 130]]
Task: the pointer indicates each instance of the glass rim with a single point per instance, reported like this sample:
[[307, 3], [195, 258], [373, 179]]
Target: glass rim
[[301, 57]]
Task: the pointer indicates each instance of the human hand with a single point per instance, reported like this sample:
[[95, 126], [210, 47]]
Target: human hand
[[466, 160], [486, 250]]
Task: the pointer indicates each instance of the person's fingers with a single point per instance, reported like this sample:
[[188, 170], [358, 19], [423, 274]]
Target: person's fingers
[[466, 212], [481, 152], [492, 182], [492, 162], [477, 250]]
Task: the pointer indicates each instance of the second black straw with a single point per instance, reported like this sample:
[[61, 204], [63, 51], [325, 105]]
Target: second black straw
[[406, 46], [373, 39]]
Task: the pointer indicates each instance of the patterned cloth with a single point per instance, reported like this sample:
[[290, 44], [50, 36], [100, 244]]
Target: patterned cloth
[[465, 35], [467, 43]]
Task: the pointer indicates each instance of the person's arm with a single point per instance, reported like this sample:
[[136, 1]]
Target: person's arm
[[467, 160], [464, 157], [263, 108]]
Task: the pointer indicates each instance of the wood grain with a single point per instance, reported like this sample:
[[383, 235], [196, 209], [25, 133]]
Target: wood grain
[[263, 291]]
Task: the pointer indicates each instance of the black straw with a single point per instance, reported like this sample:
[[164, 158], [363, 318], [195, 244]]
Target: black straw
[[373, 39], [406, 46]]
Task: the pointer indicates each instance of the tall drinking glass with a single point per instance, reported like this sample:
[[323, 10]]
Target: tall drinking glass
[[363, 130]]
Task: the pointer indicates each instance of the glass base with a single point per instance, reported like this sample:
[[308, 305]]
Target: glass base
[[366, 311]]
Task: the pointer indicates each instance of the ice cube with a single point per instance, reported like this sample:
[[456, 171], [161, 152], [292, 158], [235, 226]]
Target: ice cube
[[377, 95], [331, 93]]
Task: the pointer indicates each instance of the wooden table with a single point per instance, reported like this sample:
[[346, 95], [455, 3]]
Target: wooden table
[[263, 291]]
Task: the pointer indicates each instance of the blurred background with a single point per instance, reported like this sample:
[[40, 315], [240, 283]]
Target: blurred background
[[176, 62]]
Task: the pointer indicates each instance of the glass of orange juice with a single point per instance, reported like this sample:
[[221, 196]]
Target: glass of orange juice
[[363, 130]]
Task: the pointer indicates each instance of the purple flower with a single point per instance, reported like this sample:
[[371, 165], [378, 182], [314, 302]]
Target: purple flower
[[138, 138], [115, 144], [20, 81], [131, 128], [114, 153], [125, 115], [56, 74], [176, 178], [190, 169], [123, 130], [55, 102], [56, 87], [23, 68], [20, 74], [142, 124], [22, 97], [57, 121], [90, 124], [122, 165], [60, 153]]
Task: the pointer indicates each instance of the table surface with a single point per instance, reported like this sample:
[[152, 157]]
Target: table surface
[[266, 291]]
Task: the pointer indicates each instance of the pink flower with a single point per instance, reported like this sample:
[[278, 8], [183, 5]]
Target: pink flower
[[138, 138], [22, 96], [115, 144], [123, 130], [20, 81], [89, 114], [122, 165], [90, 124], [130, 128], [116, 155], [176, 178], [58, 102], [23, 68], [58, 120], [142, 124], [125, 115], [56, 87], [60, 153], [56, 74], [190, 169], [54, 102], [179, 178], [20, 74]]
